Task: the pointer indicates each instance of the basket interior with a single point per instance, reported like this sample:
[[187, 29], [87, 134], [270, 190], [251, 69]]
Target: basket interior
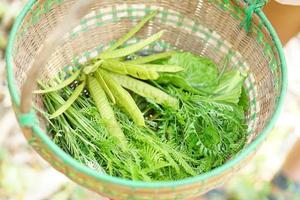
[[208, 28]]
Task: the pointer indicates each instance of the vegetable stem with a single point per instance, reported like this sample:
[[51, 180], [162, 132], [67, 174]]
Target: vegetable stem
[[132, 32], [151, 58], [60, 86], [70, 101], [132, 48]]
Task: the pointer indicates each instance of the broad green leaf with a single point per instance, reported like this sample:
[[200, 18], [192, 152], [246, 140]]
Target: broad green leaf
[[230, 87], [132, 32], [63, 84], [244, 100], [200, 73], [178, 81], [224, 67], [69, 102], [133, 48]]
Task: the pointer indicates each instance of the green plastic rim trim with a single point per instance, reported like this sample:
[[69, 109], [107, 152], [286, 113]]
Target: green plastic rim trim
[[68, 160]]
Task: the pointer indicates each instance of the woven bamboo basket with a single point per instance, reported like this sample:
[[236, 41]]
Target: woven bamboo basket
[[212, 28]]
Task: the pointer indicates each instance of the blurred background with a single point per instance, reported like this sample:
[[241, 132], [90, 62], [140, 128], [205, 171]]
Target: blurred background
[[24, 175]]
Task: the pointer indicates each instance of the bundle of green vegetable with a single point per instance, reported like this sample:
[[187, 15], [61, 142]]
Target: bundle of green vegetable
[[160, 117]]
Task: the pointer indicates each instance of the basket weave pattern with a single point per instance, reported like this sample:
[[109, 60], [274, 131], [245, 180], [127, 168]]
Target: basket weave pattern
[[204, 27]]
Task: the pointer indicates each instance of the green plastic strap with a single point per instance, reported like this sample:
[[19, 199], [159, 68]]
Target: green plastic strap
[[27, 119], [253, 6]]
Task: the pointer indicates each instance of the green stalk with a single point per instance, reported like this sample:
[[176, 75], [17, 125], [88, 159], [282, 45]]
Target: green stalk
[[132, 48], [60, 86], [151, 58], [132, 32], [70, 101]]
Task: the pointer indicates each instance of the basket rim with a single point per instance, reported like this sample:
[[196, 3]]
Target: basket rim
[[68, 160]]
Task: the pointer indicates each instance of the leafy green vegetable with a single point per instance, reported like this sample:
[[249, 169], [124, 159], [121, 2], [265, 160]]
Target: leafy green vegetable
[[85, 138], [230, 87], [175, 117], [196, 137], [113, 60], [200, 73], [178, 81]]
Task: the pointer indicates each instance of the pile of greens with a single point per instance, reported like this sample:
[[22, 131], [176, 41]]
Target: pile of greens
[[161, 117]]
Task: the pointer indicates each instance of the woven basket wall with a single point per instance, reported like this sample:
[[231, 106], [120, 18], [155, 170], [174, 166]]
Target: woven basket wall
[[210, 28]]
